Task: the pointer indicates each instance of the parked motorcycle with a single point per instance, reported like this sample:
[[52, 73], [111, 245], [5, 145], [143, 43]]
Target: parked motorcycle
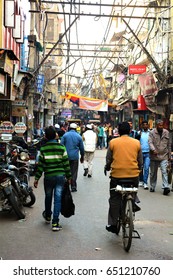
[[28, 196], [10, 194], [18, 158]]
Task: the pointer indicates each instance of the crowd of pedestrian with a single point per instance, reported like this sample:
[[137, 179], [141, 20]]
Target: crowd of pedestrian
[[130, 153]]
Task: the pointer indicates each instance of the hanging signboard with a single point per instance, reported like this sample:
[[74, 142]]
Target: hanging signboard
[[40, 83], [137, 69]]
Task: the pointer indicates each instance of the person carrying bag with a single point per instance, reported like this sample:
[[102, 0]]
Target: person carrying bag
[[67, 205]]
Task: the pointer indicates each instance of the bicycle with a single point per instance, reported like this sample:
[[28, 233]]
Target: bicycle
[[127, 212]]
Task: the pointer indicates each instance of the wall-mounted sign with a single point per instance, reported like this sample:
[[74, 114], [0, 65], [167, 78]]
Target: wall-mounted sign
[[137, 69]]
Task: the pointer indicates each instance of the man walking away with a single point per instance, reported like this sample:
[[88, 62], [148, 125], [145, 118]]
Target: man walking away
[[53, 161], [144, 134], [89, 138], [160, 155], [74, 145]]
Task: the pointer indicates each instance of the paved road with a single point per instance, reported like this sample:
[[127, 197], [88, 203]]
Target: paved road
[[84, 236]]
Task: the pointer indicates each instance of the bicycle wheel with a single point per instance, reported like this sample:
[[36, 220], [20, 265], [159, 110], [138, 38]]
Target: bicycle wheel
[[127, 224]]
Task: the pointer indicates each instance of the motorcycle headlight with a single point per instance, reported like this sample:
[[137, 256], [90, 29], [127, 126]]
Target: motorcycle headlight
[[23, 156]]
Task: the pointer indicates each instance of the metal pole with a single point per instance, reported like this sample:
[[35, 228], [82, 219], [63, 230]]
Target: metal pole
[[31, 82]]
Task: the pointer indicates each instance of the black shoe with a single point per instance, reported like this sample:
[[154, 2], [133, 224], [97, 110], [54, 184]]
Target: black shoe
[[136, 208], [89, 176], [112, 229], [166, 191], [152, 190], [47, 219], [86, 172], [73, 189]]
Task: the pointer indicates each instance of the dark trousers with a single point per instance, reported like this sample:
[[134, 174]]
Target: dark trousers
[[74, 164], [115, 200]]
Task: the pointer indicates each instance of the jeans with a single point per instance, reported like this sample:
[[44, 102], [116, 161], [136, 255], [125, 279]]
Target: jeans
[[100, 142], [53, 185], [146, 165], [153, 173]]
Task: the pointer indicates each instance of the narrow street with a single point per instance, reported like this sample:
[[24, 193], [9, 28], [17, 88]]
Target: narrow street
[[84, 236]]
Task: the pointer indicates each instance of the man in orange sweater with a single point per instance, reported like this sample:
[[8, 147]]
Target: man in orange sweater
[[124, 160]]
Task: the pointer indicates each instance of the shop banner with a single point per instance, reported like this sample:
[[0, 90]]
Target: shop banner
[[96, 105]]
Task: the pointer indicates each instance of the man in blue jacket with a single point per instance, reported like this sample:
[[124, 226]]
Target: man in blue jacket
[[74, 145]]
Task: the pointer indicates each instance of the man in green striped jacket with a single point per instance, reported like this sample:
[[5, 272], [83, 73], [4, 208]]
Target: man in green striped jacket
[[53, 161]]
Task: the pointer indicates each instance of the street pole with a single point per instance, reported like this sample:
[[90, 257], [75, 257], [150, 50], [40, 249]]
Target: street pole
[[30, 116]]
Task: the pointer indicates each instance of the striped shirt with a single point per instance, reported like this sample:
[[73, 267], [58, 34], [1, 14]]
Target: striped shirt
[[53, 161]]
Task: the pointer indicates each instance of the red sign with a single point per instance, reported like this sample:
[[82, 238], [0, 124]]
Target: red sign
[[137, 69], [141, 103]]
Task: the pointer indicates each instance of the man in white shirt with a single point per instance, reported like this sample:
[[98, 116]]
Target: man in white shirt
[[89, 138]]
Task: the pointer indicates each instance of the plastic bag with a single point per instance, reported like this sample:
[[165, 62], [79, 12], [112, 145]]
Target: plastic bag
[[67, 205]]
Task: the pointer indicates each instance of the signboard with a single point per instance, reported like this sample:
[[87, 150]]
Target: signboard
[[18, 108], [18, 111], [141, 103], [137, 69], [40, 83], [20, 127], [6, 127]]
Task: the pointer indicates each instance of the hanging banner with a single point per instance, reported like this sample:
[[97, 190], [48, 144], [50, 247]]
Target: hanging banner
[[96, 105]]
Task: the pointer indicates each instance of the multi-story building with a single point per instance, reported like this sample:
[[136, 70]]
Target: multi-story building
[[147, 44], [11, 37], [46, 27]]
